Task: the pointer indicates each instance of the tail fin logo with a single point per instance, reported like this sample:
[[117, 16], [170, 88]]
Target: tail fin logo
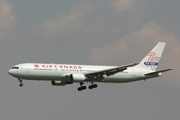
[[152, 61]]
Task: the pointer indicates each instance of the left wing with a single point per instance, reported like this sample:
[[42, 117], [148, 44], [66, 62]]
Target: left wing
[[98, 75]]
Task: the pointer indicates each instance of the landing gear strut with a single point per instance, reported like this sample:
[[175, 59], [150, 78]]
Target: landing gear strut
[[20, 82], [81, 87]]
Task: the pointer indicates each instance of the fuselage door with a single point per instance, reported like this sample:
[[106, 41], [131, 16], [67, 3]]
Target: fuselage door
[[27, 69], [133, 73]]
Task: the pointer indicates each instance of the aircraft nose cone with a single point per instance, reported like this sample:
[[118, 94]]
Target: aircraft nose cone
[[10, 72], [13, 72]]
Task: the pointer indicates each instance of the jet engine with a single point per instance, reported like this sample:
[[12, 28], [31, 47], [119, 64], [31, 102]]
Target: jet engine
[[79, 78], [60, 83]]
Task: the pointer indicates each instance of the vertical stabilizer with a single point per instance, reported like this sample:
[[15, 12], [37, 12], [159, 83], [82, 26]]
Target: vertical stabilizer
[[151, 60]]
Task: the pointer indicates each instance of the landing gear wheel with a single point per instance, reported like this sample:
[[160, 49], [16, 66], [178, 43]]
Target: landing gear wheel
[[84, 87], [21, 85], [93, 86], [81, 88], [20, 82], [90, 87]]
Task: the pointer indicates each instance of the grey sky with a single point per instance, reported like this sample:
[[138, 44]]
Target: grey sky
[[104, 32]]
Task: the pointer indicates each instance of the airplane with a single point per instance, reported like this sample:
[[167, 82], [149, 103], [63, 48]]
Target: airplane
[[65, 74]]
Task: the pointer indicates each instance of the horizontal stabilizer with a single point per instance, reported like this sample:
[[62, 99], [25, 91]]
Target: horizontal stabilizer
[[158, 71]]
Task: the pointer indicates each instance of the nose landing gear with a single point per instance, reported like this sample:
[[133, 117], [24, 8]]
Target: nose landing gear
[[20, 82]]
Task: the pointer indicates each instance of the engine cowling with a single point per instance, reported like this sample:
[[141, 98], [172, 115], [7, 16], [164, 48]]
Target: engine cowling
[[60, 83], [79, 78]]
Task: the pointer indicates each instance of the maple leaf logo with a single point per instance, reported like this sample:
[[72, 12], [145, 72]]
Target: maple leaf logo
[[36, 65]]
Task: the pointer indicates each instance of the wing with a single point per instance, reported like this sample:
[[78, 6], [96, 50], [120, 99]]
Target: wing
[[98, 75]]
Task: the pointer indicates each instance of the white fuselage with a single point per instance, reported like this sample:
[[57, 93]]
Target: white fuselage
[[57, 72], [64, 74]]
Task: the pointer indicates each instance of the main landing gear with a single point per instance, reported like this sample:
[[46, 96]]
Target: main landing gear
[[20, 82], [84, 87], [93, 86], [81, 87]]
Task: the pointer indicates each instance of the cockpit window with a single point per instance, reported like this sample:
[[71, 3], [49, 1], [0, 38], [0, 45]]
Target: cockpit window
[[15, 67]]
